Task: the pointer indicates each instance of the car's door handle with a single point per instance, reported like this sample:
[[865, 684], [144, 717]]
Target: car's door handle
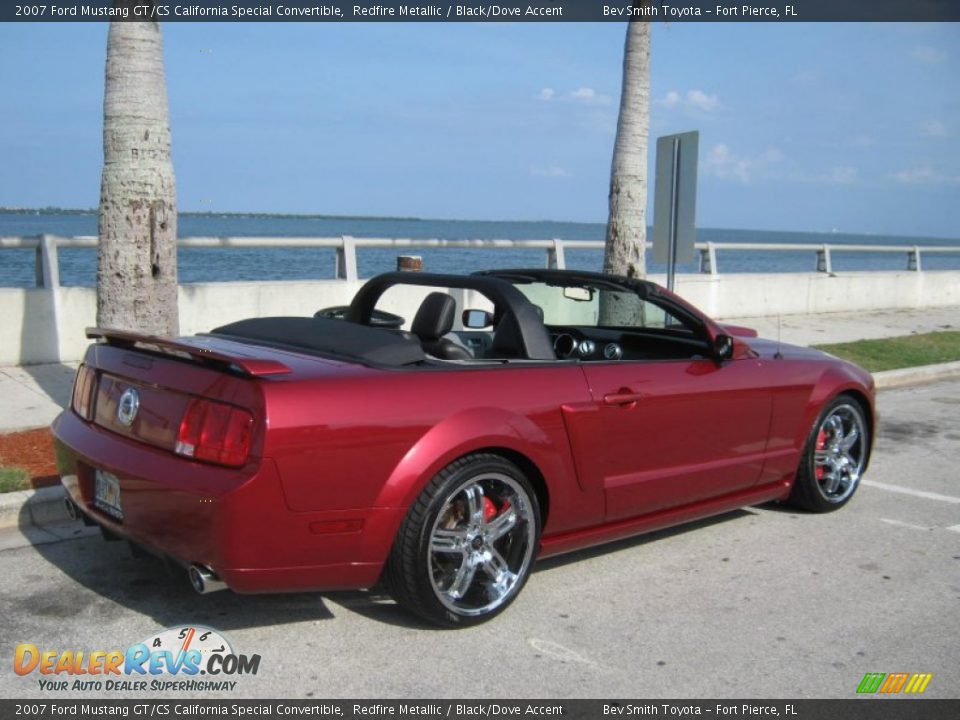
[[623, 397]]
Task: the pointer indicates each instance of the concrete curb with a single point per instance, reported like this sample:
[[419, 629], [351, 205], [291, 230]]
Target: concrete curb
[[33, 508], [916, 375]]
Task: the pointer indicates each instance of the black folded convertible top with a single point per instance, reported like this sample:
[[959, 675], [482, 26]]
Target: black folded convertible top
[[325, 336]]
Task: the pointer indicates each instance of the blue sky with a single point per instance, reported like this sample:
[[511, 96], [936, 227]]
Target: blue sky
[[802, 126]]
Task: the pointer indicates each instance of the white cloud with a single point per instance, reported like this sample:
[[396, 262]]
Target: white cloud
[[692, 100], [724, 163], [672, 99], [928, 55], [554, 172], [934, 129], [589, 96], [840, 175], [923, 176], [771, 155], [701, 101]]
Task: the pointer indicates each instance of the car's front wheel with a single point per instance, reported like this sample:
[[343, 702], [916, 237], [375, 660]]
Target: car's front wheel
[[467, 545], [834, 457]]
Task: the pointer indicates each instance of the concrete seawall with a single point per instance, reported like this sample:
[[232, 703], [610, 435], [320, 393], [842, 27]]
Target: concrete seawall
[[47, 325]]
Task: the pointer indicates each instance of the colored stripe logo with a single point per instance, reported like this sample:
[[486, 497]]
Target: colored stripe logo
[[893, 683]]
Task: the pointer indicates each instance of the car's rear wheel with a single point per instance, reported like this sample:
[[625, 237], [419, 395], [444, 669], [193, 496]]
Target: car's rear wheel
[[467, 545], [834, 457]]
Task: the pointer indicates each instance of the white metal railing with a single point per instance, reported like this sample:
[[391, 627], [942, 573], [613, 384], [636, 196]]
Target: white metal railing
[[346, 246], [708, 252]]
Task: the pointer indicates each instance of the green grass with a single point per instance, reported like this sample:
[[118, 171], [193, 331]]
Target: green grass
[[899, 352], [13, 479]]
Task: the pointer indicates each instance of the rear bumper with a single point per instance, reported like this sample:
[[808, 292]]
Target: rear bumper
[[234, 521]]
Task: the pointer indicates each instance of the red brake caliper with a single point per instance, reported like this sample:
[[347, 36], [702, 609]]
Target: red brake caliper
[[489, 509], [820, 471]]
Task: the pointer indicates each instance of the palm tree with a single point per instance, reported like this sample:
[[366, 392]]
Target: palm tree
[[137, 257], [625, 249]]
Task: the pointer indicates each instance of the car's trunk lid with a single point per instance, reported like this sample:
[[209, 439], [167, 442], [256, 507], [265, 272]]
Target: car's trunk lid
[[145, 385]]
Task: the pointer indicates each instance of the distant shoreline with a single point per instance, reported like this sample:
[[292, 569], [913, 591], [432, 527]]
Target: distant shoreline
[[289, 216], [413, 219], [205, 213]]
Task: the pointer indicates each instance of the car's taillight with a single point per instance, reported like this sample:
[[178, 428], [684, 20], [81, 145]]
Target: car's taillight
[[215, 432], [84, 386]]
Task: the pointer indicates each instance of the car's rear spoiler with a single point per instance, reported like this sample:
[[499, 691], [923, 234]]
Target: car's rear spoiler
[[193, 350]]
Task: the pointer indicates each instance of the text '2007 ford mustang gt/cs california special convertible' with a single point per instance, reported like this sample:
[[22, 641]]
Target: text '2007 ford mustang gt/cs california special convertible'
[[550, 411]]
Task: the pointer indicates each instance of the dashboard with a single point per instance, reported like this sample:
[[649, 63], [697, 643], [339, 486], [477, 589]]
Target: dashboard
[[567, 346], [611, 344], [601, 344]]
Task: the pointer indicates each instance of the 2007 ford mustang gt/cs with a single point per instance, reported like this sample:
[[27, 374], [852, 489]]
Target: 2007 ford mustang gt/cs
[[522, 413]]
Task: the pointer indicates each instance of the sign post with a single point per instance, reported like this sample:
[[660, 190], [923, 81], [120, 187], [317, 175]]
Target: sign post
[[675, 201]]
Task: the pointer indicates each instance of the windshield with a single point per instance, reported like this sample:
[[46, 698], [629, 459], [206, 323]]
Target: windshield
[[597, 306]]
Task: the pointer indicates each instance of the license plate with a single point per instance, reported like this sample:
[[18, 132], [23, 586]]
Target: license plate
[[106, 493]]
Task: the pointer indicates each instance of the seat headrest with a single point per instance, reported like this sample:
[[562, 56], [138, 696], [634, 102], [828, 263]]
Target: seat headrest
[[434, 318]]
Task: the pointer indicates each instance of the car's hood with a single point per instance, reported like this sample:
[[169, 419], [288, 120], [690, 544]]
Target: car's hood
[[738, 330], [771, 348]]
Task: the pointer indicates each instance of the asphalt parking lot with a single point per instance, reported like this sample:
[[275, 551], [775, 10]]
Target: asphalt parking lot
[[764, 602]]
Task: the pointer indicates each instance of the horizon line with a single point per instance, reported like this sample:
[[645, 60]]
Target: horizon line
[[55, 210]]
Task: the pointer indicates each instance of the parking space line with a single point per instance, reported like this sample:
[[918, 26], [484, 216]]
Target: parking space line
[[556, 650], [910, 491], [901, 523], [955, 528]]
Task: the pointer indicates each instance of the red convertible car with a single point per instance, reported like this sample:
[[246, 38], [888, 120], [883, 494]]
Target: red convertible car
[[523, 413]]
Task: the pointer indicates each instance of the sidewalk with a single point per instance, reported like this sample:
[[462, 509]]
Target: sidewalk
[[840, 327], [33, 395]]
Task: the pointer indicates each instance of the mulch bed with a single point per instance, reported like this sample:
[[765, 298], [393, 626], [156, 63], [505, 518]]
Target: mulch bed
[[31, 450]]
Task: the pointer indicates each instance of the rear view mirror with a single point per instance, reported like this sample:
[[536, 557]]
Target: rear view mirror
[[477, 319], [578, 294]]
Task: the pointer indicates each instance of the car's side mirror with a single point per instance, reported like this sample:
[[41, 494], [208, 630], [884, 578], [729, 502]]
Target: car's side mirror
[[477, 319], [722, 347]]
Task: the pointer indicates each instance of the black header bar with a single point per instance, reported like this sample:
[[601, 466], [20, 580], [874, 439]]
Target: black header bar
[[483, 11]]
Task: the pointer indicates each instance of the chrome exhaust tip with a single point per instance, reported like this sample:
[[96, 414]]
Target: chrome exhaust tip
[[75, 513], [204, 580]]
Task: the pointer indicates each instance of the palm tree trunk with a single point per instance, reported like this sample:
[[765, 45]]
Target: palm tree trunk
[[625, 250], [137, 257]]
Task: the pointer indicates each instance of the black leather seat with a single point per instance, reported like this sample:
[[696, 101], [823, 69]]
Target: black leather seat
[[433, 320]]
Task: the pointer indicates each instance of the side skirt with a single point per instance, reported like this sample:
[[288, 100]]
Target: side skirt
[[599, 534]]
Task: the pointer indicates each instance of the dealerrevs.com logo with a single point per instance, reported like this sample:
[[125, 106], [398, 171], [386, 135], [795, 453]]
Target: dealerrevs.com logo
[[893, 683], [189, 658]]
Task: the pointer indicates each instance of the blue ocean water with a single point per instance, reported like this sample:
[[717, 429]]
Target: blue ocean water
[[78, 265]]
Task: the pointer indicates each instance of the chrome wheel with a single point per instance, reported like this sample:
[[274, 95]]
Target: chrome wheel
[[482, 544], [840, 452]]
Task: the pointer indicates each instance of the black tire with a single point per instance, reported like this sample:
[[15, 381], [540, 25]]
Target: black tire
[[478, 516], [833, 458]]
